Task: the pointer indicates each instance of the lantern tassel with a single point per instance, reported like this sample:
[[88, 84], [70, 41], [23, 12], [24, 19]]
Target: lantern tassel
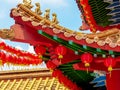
[[60, 57], [110, 74], [110, 70], [87, 70], [87, 65], [40, 56], [60, 61]]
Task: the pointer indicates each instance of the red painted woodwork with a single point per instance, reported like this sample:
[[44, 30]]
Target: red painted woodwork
[[113, 81], [93, 66], [60, 35], [29, 35]]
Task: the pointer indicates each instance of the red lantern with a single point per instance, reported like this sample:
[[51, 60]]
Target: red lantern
[[51, 65], [60, 51], [2, 45], [57, 73], [110, 62], [40, 50], [86, 58], [2, 57]]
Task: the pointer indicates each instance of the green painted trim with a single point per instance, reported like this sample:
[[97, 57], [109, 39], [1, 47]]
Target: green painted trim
[[79, 48]]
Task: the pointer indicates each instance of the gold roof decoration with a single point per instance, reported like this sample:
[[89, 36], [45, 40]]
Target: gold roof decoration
[[54, 20], [27, 3], [47, 14], [107, 37], [29, 80], [7, 33], [37, 9], [32, 84], [45, 17]]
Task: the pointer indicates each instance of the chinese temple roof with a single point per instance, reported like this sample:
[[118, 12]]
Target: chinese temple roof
[[106, 40], [29, 80], [100, 14]]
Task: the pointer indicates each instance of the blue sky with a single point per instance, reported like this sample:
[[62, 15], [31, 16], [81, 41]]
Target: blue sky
[[67, 11]]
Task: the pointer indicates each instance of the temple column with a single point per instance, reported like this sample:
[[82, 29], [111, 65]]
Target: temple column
[[113, 81]]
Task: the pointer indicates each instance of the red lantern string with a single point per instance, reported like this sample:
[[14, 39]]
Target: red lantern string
[[15, 51], [86, 58], [60, 51], [2, 55], [2, 45], [18, 60], [16, 56]]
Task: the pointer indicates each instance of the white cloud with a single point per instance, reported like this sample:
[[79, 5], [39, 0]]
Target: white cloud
[[31, 49], [19, 47], [1, 40]]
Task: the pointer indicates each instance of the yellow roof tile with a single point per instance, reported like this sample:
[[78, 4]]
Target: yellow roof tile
[[28, 80], [47, 83]]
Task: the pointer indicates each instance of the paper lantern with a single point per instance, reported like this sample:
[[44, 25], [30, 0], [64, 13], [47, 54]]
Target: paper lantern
[[60, 51], [40, 50], [86, 58], [110, 62], [2, 45], [51, 65]]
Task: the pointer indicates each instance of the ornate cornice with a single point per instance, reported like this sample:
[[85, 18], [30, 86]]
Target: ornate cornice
[[7, 34], [109, 37]]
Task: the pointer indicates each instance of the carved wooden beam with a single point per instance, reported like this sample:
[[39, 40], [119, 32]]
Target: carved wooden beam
[[7, 34], [25, 74]]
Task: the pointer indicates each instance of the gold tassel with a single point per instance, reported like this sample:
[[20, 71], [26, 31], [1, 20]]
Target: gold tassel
[[87, 70], [110, 70], [60, 57], [51, 70], [87, 65], [40, 56]]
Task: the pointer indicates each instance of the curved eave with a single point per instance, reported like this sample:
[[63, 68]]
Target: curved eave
[[81, 42]]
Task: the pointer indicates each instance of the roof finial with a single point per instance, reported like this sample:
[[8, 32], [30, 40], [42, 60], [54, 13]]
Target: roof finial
[[38, 10], [7, 33], [47, 14], [27, 3], [54, 20]]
